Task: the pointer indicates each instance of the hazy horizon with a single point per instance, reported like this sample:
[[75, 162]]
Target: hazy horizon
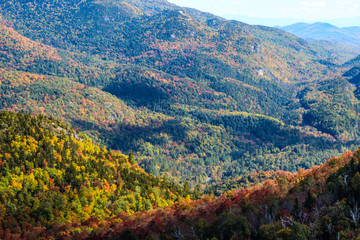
[[276, 12], [273, 22]]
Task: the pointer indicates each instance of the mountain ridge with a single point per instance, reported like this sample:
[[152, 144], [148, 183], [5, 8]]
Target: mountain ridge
[[277, 22], [326, 31]]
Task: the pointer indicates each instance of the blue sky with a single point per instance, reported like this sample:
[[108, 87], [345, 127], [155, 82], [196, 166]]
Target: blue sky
[[305, 10]]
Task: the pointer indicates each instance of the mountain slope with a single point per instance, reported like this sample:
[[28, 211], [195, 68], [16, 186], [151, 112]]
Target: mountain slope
[[340, 52], [84, 107], [56, 183], [21, 53], [50, 174], [153, 37], [318, 203]]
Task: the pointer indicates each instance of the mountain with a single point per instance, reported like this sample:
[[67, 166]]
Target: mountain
[[52, 174], [196, 97], [325, 31], [275, 22], [270, 22], [124, 33]]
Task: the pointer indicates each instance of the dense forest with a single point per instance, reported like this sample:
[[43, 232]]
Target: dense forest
[[56, 183], [195, 97], [51, 174], [320, 203], [145, 120]]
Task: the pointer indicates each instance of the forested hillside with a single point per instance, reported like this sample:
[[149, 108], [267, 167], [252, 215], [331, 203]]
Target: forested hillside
[[117, 116], [55, 183], [51, 174], [196, 97], [319, 203]]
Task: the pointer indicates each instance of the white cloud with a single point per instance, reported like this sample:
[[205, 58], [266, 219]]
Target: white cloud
[[347, 4], [237, 3], [313, 4], [341, 3]]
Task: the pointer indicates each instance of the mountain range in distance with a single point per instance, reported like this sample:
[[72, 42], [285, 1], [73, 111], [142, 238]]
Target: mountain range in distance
[[272, 22], [336, 31], [326, 31]]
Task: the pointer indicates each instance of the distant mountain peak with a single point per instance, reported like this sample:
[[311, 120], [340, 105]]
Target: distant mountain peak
[[323, 24], [325, 31]]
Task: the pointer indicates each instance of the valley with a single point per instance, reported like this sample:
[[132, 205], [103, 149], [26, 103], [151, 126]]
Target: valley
[[148, 105], [197, 75]]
